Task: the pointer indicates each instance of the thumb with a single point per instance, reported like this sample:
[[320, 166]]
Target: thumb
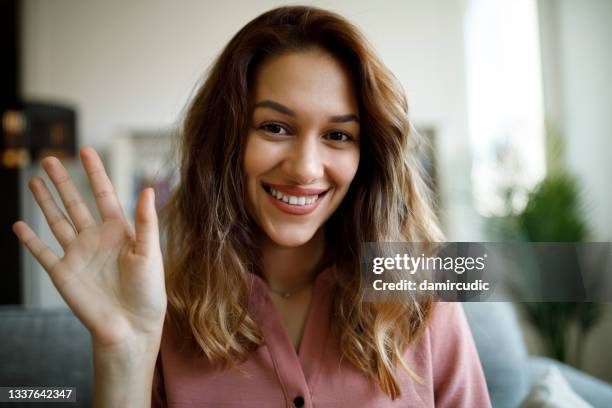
[[147, 231]]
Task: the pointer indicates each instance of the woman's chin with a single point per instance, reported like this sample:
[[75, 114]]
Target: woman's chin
[[290, 237]]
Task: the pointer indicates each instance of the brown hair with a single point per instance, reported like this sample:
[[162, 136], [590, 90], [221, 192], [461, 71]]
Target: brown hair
[[210, 246]]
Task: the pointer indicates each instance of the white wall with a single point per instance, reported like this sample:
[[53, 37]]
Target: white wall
[[132, 65]]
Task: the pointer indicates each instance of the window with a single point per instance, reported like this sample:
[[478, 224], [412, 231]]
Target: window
[[505, 106]]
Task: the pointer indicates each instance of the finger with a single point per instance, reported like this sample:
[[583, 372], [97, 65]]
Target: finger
[[41, 252], [147, 232], [103, 190], [58, 222], [72, 199]]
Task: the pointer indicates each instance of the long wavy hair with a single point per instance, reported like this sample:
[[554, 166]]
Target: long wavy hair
[[210, 249]]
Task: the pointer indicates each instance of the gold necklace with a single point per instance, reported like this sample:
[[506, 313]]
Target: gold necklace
[[288, 293]]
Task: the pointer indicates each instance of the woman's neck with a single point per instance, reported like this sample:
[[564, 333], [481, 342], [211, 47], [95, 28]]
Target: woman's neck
[[287, 268]]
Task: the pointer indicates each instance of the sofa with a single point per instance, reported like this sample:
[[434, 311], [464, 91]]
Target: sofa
[[52, 348]]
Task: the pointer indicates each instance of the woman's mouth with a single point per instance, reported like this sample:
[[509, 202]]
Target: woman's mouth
[[299, 200], [294, 202]]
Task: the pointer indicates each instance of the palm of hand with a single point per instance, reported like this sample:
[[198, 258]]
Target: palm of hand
[[111, 278]]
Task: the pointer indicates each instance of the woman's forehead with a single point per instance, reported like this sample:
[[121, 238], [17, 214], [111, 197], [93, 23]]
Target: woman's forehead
[[306, 79]]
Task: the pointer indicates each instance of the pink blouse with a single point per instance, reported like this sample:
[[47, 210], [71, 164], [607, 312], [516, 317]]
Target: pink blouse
[[444, 357]]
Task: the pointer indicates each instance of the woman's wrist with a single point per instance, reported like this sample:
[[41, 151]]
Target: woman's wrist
[[123, 374], [133, 350]]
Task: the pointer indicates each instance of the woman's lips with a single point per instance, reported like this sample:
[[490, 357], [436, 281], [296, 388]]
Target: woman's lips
[[294, 200]]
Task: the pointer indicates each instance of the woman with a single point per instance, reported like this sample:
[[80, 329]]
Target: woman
[[295, 150]]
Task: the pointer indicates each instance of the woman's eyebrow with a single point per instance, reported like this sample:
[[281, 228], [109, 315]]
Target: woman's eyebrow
[[350, 117]]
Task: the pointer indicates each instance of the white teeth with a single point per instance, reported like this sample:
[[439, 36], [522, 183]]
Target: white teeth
[[293, 200]]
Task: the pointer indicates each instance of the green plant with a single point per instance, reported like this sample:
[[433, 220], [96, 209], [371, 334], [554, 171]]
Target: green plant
[[553, 213]]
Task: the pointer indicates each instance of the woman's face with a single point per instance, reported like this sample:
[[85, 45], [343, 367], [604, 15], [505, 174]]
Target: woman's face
[[302, 148]]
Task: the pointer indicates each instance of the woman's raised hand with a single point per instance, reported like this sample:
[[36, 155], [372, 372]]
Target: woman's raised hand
[[111, 277]]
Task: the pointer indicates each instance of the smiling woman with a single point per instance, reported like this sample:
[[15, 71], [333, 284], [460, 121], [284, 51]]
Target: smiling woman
[[303, 136], [295, 150]]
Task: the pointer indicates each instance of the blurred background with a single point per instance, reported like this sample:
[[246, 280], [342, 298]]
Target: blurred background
[[514, 96]]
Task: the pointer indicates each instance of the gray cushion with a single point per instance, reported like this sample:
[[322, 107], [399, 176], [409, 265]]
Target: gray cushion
[[46, 348]]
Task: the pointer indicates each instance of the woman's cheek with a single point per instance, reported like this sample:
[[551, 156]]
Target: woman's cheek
[[345, 167], [253, 155]]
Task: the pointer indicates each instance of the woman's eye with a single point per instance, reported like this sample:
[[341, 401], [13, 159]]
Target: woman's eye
[[274, 128], [339, 137]]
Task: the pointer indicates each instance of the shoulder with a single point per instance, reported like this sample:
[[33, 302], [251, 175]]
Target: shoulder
[[449, 333], [457, 373], [448, 317]]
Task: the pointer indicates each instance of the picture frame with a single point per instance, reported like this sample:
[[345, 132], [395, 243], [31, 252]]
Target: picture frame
[[141, 159]]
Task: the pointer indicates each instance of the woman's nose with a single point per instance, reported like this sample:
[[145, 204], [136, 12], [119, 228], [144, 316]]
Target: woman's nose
[[304, 164]]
